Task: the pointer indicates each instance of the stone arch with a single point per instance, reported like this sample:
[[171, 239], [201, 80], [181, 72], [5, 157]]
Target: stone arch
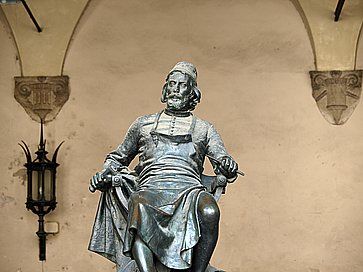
[[73, 34], [334, 43], [44, 55], [10, 34], [246, 43], [359, 54], [306, 24]]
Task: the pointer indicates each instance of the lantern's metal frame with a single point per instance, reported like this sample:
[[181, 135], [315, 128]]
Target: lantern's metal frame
[[41, 206]]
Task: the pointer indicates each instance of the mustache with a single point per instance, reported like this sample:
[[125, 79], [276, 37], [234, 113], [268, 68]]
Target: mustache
[[174, 95]]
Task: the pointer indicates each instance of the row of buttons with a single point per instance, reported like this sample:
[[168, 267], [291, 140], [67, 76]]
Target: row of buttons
[[172, 125]]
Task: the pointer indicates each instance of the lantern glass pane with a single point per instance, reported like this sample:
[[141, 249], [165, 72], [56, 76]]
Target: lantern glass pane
[[36, 185], [48, 183]]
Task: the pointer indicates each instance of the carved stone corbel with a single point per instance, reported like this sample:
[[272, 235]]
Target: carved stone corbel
[[336, 93], [42, 97]]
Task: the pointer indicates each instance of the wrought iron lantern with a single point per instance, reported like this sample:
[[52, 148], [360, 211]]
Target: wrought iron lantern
[[41, 186]]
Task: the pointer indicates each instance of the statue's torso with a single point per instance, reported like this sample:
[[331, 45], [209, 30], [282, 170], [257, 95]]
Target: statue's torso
[[175, 127]]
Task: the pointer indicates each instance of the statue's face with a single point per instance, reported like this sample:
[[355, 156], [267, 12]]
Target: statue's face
[[178, 92]]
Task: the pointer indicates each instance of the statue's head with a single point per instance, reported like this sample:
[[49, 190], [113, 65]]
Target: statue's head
[[180, 92]]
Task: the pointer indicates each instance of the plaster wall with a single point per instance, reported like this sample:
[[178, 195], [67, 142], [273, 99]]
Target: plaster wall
[[297, 209]]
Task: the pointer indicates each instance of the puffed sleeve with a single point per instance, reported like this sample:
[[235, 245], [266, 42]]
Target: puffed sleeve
[[123, 155]]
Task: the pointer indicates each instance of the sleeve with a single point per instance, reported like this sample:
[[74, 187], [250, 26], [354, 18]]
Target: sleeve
[[215, 145], [216, 148], [123, 155]]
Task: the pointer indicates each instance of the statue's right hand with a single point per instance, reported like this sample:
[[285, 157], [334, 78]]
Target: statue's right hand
[[98, 182]]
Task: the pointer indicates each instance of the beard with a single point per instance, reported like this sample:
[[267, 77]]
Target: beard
[[177, 102]]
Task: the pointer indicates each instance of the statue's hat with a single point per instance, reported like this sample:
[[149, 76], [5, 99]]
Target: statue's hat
[[186, 68]]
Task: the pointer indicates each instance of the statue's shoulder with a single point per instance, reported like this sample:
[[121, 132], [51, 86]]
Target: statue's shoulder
[[202, 123], [146, 119], [203, 127]]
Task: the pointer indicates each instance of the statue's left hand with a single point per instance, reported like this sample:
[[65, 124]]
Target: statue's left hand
[[98, 182], [228, 167]]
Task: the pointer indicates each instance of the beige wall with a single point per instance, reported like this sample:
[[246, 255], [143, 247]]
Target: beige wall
[[299, 206]]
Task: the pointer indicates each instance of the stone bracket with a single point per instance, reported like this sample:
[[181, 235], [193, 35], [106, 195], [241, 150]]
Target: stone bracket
[[336, 93], [42, 97]]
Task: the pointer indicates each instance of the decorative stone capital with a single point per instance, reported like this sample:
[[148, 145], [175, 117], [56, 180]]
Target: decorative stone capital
[[336, 93], [42, 97]]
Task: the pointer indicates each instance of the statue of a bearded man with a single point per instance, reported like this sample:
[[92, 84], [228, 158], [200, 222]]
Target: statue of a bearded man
[[162, 216]]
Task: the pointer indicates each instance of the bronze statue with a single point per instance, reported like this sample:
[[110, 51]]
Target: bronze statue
[[162, 216]]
